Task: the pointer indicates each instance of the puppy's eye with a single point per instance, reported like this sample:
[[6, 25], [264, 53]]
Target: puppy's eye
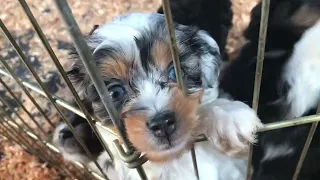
[[117, 92], [172, 75]]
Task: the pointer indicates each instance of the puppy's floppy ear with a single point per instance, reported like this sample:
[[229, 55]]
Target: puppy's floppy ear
[[77, 73], [210, 60]]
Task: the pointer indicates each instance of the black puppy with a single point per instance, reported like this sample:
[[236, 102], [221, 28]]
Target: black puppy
[[199, 13], [289, 89]]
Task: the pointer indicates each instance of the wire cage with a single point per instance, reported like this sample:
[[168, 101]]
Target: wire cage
[[34, 143]]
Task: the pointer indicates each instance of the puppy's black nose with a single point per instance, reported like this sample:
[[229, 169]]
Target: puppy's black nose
[[162, 124], [65, 134]]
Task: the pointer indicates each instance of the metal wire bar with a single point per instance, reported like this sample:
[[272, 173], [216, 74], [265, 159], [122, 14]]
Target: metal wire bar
[[54, 149], [259, 67], [63, 74], [5, 130], [265, 127], [176, 63], [45, 90], [18, 138], [305, 149], [173, 43], [13, 75], [14, 112], [8, 133], [48, 157], [5, 133], [30, 129], [257, 84], [21, 137], [29, 147], [22, 106], [261, 49], [57, 99], [290, 123], [94, 73], [6, 32]]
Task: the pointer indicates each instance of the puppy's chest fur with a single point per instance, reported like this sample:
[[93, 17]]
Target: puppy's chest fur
[[211, 165]]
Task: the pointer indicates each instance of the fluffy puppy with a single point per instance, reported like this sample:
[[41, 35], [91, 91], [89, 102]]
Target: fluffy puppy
[[290, 85], [133, 54], [212, 163]]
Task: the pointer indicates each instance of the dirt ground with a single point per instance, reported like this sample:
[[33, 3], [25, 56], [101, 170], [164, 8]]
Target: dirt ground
[[87, 14]]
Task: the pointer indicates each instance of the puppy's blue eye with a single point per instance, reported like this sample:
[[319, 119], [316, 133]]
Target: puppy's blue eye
[[117, 92], [172, 75]]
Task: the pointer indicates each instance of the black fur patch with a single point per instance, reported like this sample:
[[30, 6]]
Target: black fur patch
[[238, 80]]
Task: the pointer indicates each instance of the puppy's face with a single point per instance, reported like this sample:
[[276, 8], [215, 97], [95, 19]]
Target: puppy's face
[[134, 57], [69, 146]]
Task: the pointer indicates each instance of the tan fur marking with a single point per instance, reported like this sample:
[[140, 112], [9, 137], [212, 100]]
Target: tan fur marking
[[185, 109], [161, 54], [118, 69], [137, 131]]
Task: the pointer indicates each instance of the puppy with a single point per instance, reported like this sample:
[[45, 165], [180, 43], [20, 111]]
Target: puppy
[[211, 162], [133, 55], [289, 89]]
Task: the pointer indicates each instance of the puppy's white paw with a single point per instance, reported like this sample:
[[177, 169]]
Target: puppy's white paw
[[229, 125]]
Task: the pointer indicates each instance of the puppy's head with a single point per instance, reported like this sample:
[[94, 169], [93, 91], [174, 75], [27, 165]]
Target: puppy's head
[[134, 57], [67, 143]]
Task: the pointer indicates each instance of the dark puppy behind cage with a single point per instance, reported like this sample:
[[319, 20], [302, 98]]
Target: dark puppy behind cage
[[277, 152], [215, 17], [84, 131]]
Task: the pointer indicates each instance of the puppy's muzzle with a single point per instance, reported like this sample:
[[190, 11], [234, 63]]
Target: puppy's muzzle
[[162, 124]]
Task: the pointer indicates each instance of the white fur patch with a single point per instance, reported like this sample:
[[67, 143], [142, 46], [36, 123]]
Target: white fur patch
[[302, 72], [211, 164], [225, 121], [153, 96], [68, 156], [209, 95], [272, 151]]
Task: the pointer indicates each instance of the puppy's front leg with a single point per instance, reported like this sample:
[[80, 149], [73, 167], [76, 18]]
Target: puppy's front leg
[[229, 125]]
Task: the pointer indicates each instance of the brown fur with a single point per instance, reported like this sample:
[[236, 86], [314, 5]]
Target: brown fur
[[306, 17], [161, 54], [117, 69], [185, 109]]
